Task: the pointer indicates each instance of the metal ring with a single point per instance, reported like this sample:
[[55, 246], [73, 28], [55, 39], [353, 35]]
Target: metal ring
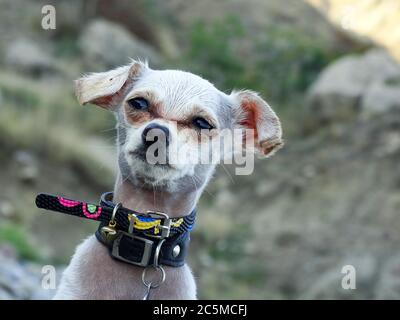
[[157, 252], [112, 222], [151, 285]]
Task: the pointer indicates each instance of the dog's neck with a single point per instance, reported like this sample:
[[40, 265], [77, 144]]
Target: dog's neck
[[176, 204]]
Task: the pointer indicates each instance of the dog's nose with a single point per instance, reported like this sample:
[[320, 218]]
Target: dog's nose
[[153, 132]]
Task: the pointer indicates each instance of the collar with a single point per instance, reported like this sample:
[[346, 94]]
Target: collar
[[132, 237]]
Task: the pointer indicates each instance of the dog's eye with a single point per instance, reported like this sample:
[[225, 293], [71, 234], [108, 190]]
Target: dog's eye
[[138, 103], [202, 123]]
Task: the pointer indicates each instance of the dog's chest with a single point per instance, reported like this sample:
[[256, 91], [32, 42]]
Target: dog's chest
[[93, 274]]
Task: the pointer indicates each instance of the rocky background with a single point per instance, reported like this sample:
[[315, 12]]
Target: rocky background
[[330, 198]]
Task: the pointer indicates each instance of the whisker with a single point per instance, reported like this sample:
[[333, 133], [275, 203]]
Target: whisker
[[107, 130], [205, 188], [154, 196], [194, 182], [228, 174]]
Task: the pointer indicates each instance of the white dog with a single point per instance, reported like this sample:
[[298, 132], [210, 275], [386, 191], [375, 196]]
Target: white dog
[[171, 102]]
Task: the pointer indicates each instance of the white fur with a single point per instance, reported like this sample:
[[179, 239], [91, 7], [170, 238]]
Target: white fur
[[92, 273], [180, 94]]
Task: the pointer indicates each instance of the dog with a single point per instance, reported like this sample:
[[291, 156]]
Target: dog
[[170, 101]]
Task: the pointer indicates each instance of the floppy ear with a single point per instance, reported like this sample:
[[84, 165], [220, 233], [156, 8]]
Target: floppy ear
[[252, 112], [106, 88]]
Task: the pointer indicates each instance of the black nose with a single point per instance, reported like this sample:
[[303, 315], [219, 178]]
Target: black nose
[[152, 133]]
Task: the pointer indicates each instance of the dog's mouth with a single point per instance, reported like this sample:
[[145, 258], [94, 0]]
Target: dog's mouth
[[141, 155], [151, 174], [154, 174]]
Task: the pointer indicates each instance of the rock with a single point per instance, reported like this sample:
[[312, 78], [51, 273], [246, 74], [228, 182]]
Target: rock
[[20, 280], [24, 158], [74, 14], [378, 20], [140, 21], [28, 175], [27, 56], [28, 169], [340, 88], [7, 210], [388, 286], [329, 284], [390, 144], [381, 97], [107, 45]]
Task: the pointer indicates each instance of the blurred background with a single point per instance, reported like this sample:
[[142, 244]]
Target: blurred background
[[329, 198]]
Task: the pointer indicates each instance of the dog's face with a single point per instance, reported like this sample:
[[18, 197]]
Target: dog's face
[[164, 118]]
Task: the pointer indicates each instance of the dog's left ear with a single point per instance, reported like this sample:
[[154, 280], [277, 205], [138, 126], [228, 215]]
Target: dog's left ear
[[105, 89], [252, 112]]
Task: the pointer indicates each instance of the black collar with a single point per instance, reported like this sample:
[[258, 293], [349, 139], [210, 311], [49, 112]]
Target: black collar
[[131, 236]]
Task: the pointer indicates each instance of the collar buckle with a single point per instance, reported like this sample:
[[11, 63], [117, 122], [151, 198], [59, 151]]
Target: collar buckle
[[123, 238], [147, 249], [164, 226]]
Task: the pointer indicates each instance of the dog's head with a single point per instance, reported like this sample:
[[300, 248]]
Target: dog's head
[[164, 117]]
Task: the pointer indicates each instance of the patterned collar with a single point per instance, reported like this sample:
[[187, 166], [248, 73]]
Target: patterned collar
[[131, 236]]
